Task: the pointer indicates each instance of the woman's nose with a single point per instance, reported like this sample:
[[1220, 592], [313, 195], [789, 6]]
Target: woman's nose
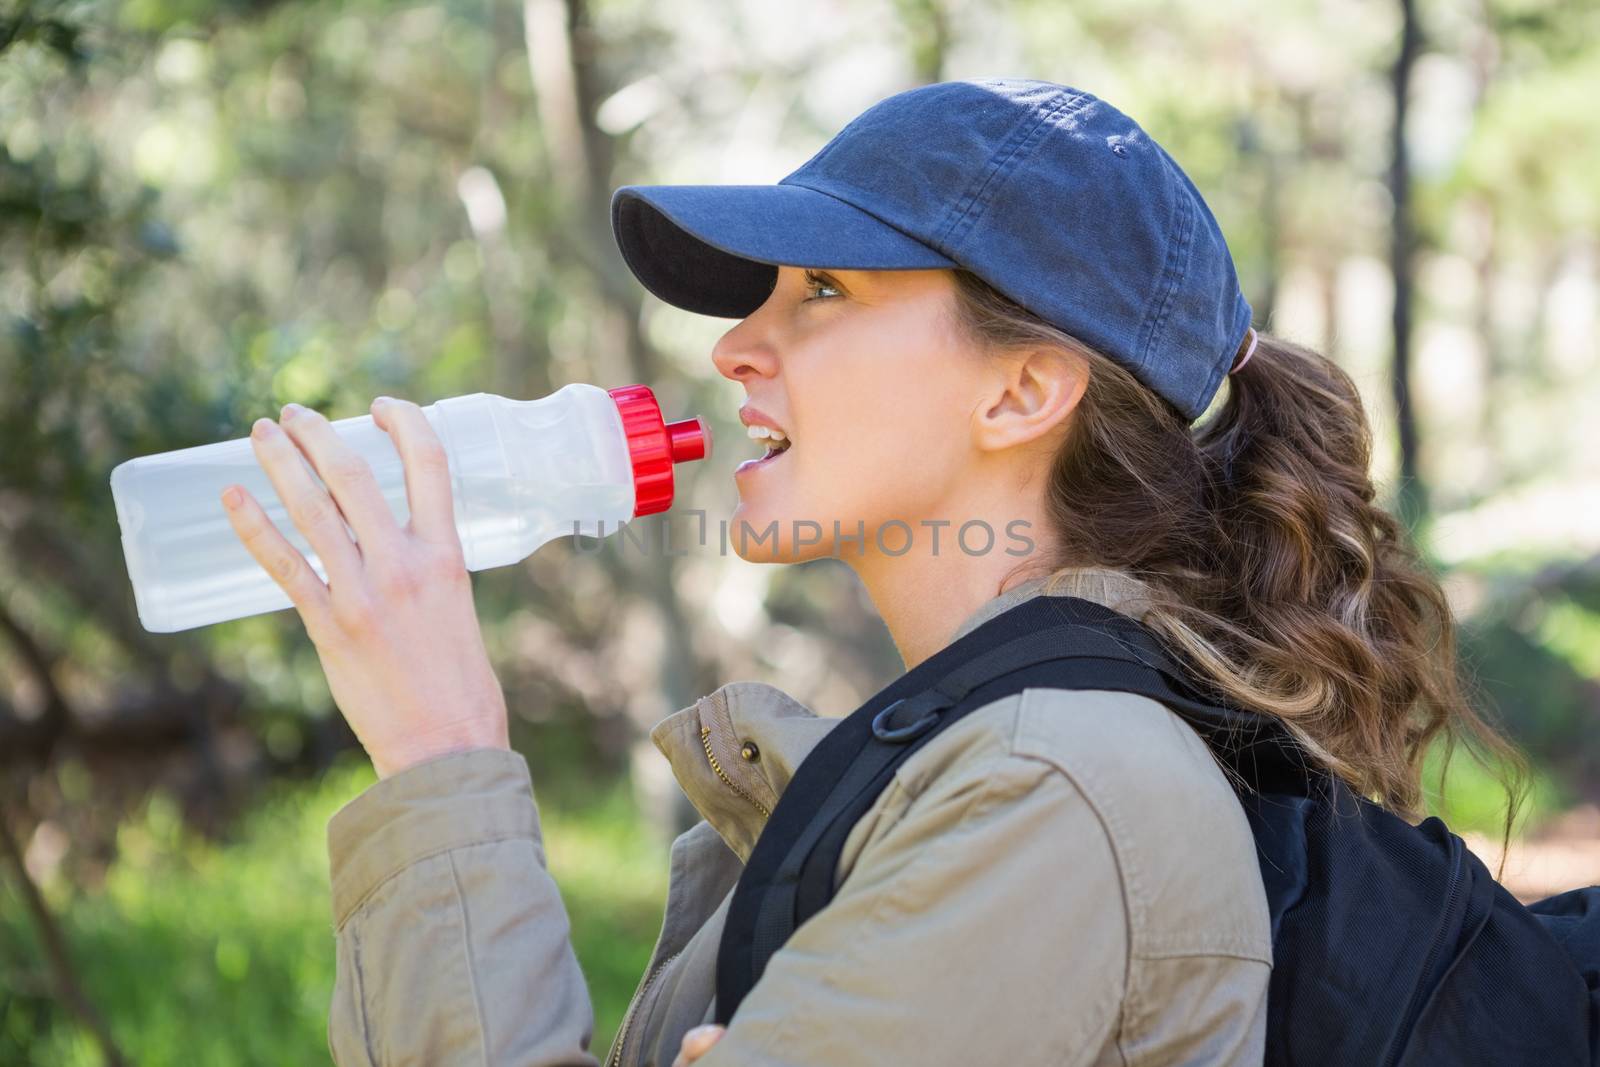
[[743, 353]]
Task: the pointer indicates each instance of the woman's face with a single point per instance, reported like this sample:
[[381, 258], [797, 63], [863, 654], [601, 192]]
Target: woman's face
[[875, 386]]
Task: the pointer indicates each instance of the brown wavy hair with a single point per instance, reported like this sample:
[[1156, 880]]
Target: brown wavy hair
[[1273, 573]]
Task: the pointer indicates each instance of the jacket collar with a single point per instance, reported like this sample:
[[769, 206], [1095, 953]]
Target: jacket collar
[[735, 749]]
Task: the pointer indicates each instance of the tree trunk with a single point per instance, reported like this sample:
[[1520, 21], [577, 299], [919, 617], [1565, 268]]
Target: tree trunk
[[562, 53], [1413, 504], [63, 977]]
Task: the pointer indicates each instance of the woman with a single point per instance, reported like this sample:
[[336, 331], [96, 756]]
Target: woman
[[983, 305]]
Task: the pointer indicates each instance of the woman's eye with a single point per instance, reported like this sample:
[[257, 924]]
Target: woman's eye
[[815, 285]]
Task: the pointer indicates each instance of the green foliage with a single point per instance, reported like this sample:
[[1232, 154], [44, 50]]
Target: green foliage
[[1530, 652], [223, 954], [1471, 797]]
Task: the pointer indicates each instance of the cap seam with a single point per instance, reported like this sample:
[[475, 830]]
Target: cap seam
[[997, 166], [1172, 276]]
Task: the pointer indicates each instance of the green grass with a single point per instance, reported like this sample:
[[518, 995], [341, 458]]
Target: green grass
[[223, 955]]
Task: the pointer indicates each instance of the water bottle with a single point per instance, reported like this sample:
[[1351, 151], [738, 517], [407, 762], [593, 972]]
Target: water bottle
[[583, 460]]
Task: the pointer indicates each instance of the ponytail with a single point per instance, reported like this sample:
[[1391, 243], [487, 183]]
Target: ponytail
[[1274, 575]]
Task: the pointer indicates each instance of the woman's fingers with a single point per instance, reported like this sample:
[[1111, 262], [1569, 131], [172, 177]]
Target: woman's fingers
[[427, 469], [346, 474], [310, 508], [277, 557], [697, 1043]]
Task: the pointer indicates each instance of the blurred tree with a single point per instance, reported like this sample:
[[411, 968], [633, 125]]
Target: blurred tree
[[1402, 266]]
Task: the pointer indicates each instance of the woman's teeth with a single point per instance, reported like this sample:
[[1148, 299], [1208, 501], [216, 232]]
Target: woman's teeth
[[777, 440]]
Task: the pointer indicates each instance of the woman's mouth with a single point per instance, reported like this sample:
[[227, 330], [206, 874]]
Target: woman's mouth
[[777, 443]]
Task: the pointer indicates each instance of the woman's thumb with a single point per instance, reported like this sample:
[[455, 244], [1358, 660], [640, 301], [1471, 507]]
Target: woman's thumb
[[697, 1042]]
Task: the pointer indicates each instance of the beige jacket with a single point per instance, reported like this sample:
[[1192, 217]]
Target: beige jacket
[[1062, 877]]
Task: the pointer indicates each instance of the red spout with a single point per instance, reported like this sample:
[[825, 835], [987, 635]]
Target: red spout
[[654, 445], [691, 439]]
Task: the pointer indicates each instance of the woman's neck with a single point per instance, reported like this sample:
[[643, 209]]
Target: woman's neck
[[926, 594]]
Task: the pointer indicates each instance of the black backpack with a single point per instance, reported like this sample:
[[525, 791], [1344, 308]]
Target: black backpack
[[1392, 944]]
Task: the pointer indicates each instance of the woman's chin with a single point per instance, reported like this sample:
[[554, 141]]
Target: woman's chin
[[761, 535], [758, 537]]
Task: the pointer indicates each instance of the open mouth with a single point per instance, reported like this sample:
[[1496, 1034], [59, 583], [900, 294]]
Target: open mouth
[[776, 442]]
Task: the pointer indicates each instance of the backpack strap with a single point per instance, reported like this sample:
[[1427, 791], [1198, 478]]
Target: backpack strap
[[1060, 642]]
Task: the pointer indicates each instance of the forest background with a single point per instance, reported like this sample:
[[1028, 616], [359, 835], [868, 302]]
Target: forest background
[[208, 209]]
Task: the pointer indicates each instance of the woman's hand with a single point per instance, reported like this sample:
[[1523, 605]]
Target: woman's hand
[[697, 1043], [394, 625]]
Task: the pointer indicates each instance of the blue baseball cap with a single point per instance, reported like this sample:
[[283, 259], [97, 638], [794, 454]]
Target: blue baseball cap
[[1049, 194]]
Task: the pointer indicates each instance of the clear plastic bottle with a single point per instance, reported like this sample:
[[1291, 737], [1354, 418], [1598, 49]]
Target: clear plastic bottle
[[523, 472]]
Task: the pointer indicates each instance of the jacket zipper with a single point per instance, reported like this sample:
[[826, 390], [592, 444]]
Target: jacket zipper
[[627, 1020], [705, 740]]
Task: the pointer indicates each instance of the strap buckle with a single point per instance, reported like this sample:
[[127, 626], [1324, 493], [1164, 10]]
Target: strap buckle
[[883, 723]]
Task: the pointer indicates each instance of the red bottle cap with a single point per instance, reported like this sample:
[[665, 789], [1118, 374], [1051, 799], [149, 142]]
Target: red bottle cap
[[655, 445]]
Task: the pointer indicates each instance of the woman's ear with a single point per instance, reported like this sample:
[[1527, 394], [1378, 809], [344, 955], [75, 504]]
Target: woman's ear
[[1028, 397]]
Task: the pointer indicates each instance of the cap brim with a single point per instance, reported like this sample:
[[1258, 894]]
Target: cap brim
[[714, 249]]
